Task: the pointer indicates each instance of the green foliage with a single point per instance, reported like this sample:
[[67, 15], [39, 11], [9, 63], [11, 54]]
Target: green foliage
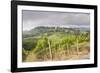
[[30, 43], [51, 42]]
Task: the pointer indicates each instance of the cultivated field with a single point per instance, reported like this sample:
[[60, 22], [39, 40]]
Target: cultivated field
[[55, 44]]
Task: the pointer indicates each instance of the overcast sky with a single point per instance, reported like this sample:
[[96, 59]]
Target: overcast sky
[[32, 19]]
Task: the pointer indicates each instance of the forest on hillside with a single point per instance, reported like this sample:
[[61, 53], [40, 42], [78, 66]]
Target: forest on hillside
[[55, 44]]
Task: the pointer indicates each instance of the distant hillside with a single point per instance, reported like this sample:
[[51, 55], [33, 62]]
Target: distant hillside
[[42, 29]]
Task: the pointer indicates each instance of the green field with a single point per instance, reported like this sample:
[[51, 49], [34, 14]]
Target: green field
[[50, 44]]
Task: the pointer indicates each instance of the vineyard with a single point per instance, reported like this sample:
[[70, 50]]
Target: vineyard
[[56, 45]]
